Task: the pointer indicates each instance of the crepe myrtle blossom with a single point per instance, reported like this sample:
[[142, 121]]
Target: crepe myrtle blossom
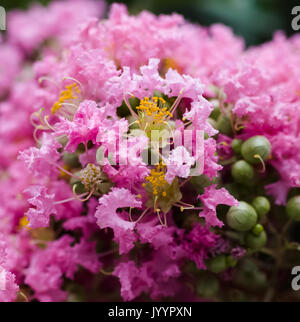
[[31, 29], [131, 40], [154, 155], [265, 102], [8, 286], [87, 153], [86, 123]]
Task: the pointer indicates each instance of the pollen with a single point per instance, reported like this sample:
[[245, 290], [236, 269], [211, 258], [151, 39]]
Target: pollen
[[23, 222], [69, 93], [63, 174], [90, 176], [157, 180], [154, 109], [170, 63]]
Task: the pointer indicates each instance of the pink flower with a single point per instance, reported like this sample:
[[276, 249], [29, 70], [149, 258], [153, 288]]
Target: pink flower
[[279, 191], [84, 127], [133, 283], [178, 164], [108, 217], [199, 243], [8, 286], [42, 161], [44, 203], [48, 266], [28, 30], [10, 63], [210, 199]]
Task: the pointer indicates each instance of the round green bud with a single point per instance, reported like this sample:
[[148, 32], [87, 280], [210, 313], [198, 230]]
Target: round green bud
[[261, 205], [242, 172], [256, 241], [293, 208], [236, 145], [257, 229], [242, 217], [208, 286], [231, 262], [217, 264], [256, 148], [224, 125]]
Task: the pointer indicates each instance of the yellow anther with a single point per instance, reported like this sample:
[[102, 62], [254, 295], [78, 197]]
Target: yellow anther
[[154, 108], [65, 95], [63, 174], [23, 222], [157, 180]]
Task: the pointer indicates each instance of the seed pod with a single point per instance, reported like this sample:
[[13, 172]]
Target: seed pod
[[261, 205], [242, 217], [236, 145], [256, 241], [257, 229], [293, 208], [256, 148], [242, 172], [217, 264], [224, 125]]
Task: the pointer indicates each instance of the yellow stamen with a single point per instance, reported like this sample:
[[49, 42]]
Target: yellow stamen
[[154, 108], [23, 222], [65, 96], [157, 180]]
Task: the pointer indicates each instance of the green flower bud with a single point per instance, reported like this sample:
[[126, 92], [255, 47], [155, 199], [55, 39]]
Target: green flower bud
[[208, 286], [224, 125], [236, 146], [231, 262], [217, 264], [256, 241], [242, 217], [293, 208], [242, 172], [256, 148], [257, 229], [261, 205]]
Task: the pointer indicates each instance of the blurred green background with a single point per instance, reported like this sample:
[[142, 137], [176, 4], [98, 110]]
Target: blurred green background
[[254, 20]]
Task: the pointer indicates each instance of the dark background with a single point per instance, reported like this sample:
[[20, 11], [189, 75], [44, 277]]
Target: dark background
[[254, 20]]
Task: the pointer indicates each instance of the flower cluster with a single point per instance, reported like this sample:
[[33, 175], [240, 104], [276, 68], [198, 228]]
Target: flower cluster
[[145, 150]]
